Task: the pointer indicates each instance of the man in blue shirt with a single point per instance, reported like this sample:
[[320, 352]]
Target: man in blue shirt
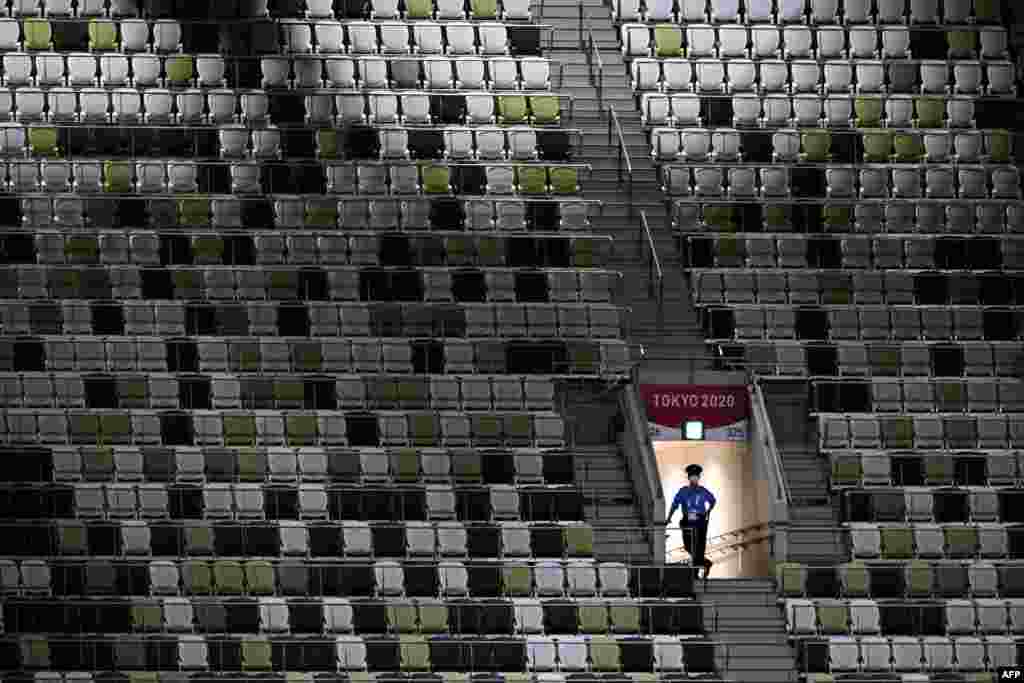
[[696, 503]]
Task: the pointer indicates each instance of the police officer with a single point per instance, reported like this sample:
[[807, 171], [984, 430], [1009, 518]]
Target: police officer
[[696, 503]]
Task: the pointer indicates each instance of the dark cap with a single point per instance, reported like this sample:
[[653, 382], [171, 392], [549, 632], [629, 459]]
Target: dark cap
[[694, 470]]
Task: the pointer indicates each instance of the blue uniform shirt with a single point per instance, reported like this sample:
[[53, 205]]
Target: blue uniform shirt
[[696, 502]]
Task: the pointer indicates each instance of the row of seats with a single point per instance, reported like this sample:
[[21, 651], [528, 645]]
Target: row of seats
[[212, 428], [985, 616], [355, 37], [963, 182], [277, 615], [128, 106], [421, 541], [825, 42], [868, 216], [869, 323], [937, 359], [839, 432], [256, 502], [838, 110], [930, 505], [81, 71], [343, 283], [441, 393], [352, 653], [905, 541], [879, 145], [882, 469], [895, 287], [927, 77], [367, 465], [917, 396], [876, 654], [814, 11], [411, 214], [277, 248]]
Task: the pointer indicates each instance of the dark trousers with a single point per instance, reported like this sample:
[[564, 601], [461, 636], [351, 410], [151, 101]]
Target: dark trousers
[[695, 536]]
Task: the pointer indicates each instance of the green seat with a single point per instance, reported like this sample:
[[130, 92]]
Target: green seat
[[516, 579], [146, 616], [545, 109], [283, 284], [435, 179], [327, 144], [193, 211], [930, 111], [818, 678], [424, 428], [259, 577], [909, 147], [459, 251], [229, 577], [419, 9], [405, 465], [668, 41], [604, 654], [885, 360], [518, 430], [143, 677], [321, 215], [199, 539], [988, 10], [307, 357], [837, 217], [579, 540], [301, 430], [877, 145], [721, 218], [483, 9], [132, 393], [531, 179], [855, 579], [846, 470], [188, 284], [35, 653], [402, 617], [777, 216], [897, 543], [593, 617], [951, 397], [868, 111], [245, 357], [252, 464], [468, 466], [563, 180], [961, 542], [584, 359], [919, 578], [208, 250], [728, 250], [38, 34], [898, 432], [81, 249], [997, 143], [116, 428], [239, 430], [939, 470], [625, 618], [289, 393], [433, 617], [179, 70], [73, 538], [585, 253], [816, 145], [42, 141], [837, 296], [102, 35], [490, 251], [962, 43], [790, 576], [833, 618], [256, 655], [414, 653], [197, 578], [511, 109]]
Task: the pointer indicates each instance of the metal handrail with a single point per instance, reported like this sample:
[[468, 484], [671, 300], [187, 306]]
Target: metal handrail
[[594, 55], [656, 277], [615, 135], [773, 449]]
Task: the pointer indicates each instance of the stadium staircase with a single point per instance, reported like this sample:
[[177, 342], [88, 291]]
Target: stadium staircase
[[663, 320]]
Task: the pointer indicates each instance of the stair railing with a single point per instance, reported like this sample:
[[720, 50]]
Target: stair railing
[[655, 276], [595, 66], [622, 153]]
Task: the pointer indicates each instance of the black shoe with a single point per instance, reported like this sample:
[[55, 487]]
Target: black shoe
[[707, 568]]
